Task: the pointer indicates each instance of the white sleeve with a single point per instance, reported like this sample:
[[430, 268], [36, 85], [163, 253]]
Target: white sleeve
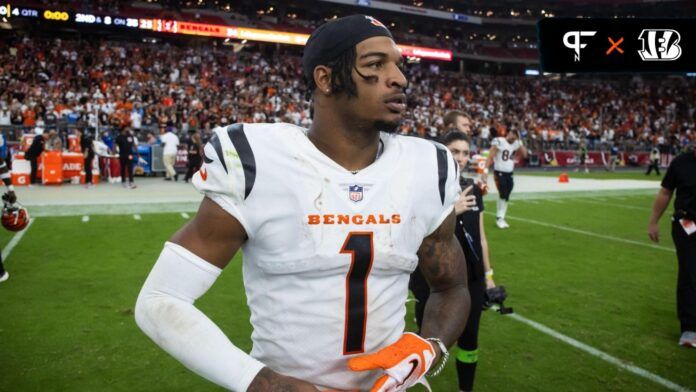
[[165, 312], [495, 142], [448, 186], [228, 173]]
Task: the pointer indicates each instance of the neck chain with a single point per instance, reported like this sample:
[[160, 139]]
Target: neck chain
[[380, 149]]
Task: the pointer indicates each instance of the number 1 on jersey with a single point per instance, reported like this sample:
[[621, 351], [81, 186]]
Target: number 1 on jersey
[[360, 246]]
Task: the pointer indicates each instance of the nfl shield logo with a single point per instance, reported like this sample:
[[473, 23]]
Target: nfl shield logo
[[355, 193]]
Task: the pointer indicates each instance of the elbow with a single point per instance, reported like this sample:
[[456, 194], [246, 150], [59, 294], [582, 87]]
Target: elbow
[[142, 308]]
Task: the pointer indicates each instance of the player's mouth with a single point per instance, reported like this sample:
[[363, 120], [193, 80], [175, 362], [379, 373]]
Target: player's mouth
[[396, 103]]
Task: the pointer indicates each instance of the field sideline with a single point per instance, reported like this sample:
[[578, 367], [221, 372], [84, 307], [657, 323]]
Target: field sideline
[[580, 264]]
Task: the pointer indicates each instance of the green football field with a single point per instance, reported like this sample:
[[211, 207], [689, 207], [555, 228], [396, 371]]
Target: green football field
[[594, 303]]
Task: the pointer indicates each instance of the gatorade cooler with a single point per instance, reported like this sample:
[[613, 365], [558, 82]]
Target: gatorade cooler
[[52, 173], [21, 170]]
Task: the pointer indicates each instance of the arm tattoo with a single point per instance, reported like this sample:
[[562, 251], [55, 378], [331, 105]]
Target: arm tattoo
[[442, 263], [269, 381], [441, 257]]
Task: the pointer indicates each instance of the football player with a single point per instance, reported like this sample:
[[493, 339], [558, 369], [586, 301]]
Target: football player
[[502, 158], [472, 237], [11, 198], [330, 229]]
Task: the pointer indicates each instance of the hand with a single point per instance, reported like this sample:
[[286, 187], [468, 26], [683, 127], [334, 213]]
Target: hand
[[654, 232], [466, 202], [269, 381], [404, 363], [484, 178], [490, 283]]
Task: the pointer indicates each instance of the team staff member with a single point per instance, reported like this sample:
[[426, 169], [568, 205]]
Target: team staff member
[[472, 238], [681, 176], [125, 144], [195, 153], [86, 143], [654, 161]]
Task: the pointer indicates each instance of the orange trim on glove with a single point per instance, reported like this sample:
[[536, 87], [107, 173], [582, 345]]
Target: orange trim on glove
[[404, 363]]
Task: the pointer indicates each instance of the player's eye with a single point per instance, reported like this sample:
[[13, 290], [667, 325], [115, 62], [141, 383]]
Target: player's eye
[[376, 65]]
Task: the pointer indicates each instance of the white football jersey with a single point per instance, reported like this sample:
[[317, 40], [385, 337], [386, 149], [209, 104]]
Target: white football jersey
[[504, 160], [327, 263]]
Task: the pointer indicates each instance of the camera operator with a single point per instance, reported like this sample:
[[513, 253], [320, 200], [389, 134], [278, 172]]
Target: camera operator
[[472, 238]]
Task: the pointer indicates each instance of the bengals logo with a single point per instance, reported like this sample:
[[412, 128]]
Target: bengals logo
[[375, 22]]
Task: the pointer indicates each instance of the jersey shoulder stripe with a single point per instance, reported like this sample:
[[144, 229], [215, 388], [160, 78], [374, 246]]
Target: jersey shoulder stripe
[[246, 155], [442, 168]]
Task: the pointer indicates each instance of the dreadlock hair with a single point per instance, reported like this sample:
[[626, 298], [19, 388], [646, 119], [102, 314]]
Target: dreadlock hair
[[341, 76]]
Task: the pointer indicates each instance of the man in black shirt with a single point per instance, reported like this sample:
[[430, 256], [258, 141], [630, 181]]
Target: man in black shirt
[[86, 143], [472, 238], [125, 144], [34, 152], [681, 176]]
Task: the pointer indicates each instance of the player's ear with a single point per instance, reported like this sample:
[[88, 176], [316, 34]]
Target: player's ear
[[322, 78]]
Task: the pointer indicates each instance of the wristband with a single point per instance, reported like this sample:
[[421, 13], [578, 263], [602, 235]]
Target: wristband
[[489, 274], [10, 188]]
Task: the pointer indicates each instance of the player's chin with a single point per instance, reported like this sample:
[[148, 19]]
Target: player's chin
[[389, 125]]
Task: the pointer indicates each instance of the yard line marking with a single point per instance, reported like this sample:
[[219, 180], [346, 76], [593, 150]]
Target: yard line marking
[[555, 201], [136, 216], [599, 354], [85, 218], [184, 215], [599, 199], [531, 201], [589, 233], [15, 240], [615, 205]]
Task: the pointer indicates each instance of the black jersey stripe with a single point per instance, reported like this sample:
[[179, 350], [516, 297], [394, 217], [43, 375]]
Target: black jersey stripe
[[246, 155], [215, 142], [442, 168]]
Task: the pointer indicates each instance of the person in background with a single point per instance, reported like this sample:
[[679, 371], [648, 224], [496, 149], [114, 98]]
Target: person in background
[[654, 161], [582, 155], [87, 146], [195, 150], [459, 121], [681, 176], [125, 144], [33, 153], [171, 146], [54, 142], [471, 234]]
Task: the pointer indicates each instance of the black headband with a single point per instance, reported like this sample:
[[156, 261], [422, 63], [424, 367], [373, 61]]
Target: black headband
[[331, 39]]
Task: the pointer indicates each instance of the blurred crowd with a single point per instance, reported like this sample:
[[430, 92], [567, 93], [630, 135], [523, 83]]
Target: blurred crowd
[[95, 84]]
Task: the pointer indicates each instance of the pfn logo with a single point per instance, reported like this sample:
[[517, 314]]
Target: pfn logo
[[575, 44], [660, 45]]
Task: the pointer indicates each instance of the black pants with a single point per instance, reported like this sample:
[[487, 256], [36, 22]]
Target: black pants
[[504, 182], [126, 168], [34, 168], [467, 355], [654, 164], [88, 169], [194, 163], [2, 266], [686, 277]]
